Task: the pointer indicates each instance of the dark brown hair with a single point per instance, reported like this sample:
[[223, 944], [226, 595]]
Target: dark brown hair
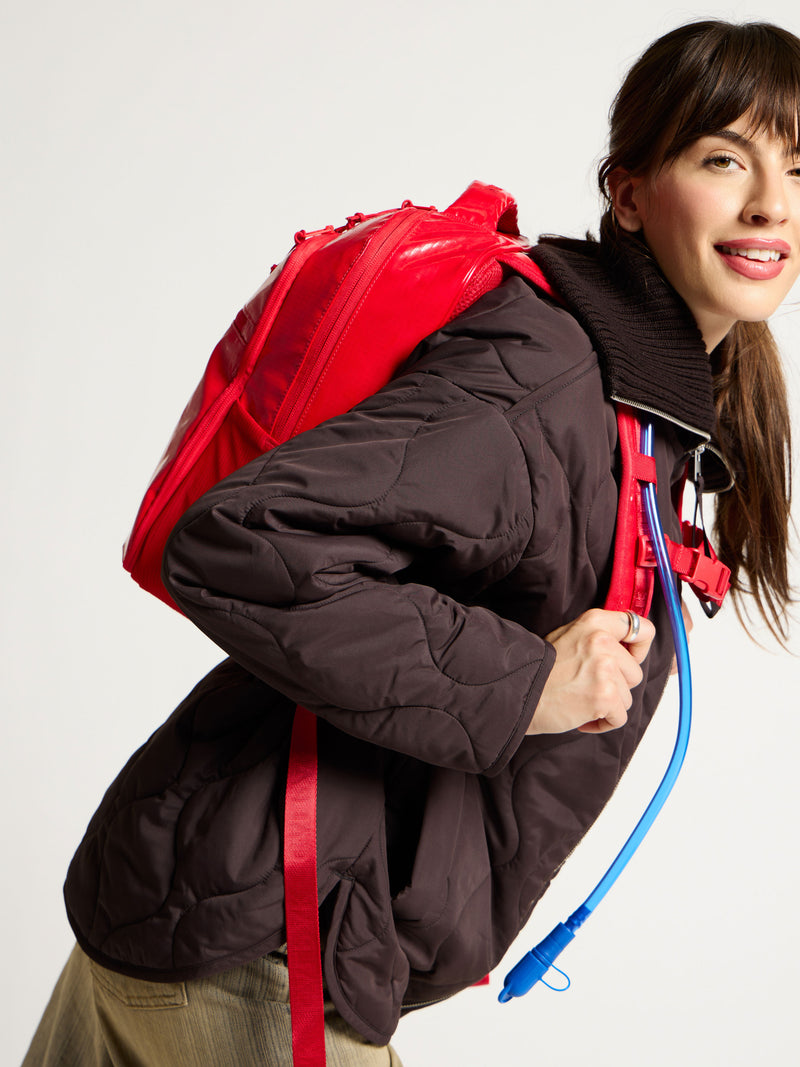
[[694, 81]]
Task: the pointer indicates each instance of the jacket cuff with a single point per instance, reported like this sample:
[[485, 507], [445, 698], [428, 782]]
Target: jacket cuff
[[528, 711]]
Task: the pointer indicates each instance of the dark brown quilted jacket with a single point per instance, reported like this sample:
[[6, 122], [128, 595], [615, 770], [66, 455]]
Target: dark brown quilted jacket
[[395, 571]]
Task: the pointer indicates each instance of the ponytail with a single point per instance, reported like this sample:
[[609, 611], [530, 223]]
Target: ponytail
[[752, 519]]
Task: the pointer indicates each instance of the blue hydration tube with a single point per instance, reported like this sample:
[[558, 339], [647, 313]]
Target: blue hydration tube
[[535, 964]]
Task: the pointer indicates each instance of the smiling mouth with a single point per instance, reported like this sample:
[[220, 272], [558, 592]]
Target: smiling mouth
[[759, 255]]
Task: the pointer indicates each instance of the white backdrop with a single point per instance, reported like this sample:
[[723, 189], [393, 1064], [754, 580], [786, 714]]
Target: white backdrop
[[158, 157]]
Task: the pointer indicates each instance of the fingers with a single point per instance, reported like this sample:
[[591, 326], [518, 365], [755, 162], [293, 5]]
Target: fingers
[[590, 685], [618, 625], [612, 659], [637, 633]]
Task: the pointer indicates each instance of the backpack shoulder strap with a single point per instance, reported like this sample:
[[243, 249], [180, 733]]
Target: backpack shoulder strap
[[633, 571], [633, 574]]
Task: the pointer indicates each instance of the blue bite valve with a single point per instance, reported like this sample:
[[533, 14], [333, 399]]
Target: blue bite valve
[[535, 964]]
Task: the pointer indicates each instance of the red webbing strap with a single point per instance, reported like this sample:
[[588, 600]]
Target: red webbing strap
[[632, 576], [694, 561], [301, 898]]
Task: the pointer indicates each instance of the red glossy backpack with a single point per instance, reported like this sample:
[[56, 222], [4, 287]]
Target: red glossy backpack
[[330, 326]]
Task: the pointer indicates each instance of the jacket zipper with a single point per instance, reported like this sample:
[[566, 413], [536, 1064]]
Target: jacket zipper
[[328, 334], [697, 451]]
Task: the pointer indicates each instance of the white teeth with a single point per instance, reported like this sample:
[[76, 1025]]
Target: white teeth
[[763, 255]]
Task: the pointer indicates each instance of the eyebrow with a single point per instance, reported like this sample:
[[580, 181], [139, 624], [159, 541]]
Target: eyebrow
[[746, 142]]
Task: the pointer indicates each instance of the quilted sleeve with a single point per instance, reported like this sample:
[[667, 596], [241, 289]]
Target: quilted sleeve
[[340, 569]]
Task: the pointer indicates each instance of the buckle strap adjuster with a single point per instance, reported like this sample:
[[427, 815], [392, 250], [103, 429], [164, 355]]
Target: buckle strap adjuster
[[699, 566]]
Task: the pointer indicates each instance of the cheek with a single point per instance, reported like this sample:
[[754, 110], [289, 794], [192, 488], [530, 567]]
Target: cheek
[[669, 235], [790, 275], [667, 217], [681, 230]]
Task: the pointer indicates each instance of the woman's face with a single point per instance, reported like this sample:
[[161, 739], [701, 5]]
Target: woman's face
[[723, 222]]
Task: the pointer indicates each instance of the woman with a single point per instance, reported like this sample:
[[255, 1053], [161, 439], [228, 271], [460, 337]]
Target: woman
[[424, 573]]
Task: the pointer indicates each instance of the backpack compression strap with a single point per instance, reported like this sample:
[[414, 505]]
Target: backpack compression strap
[[301, 896]]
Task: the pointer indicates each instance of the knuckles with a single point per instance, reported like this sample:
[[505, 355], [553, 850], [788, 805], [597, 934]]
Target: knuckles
[[606, 696], [599, 643]]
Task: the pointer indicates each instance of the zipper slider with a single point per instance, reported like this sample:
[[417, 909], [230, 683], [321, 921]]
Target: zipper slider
[[696, 476]]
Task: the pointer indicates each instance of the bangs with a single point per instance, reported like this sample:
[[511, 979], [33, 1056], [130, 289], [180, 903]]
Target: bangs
[[752, 70]]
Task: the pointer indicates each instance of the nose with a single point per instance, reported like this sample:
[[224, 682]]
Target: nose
[[769, 201]]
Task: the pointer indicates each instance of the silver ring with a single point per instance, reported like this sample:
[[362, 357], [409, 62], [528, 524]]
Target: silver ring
[[635, 623]]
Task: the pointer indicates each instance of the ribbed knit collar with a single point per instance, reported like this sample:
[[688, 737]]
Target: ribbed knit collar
[[650, 349]]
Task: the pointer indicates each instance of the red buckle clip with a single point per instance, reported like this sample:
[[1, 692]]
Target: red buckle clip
[[708, 576], [699, 567], [645, 556]]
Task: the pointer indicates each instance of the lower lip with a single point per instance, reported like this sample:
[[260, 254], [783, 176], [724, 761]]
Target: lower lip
[[753, 268]]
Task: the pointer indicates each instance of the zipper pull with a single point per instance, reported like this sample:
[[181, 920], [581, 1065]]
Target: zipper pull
[[697, 477], [697, 482], [709, 607]]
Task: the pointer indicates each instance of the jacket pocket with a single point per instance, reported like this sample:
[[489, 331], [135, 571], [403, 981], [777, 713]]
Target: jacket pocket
[[424, 899]]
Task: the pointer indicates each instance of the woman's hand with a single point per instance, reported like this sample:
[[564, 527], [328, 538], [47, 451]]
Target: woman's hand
[[590, 685]]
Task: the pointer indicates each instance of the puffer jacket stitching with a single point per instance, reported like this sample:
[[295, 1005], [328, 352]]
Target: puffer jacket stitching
[[118, 810], [242, 613], [322, 572], [318, 605], [534, 400], [609, 477], [184, 912], [197, 789], [523, 520], [348, 876], [269, 457], [522, 408], [264, 502], [526, 516], [491, 343], [530, 556]]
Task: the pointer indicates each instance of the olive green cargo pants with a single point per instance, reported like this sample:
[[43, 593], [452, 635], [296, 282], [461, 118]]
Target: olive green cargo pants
[[240, 1018]]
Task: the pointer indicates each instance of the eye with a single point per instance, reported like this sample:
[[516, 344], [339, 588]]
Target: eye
[[721, 161]]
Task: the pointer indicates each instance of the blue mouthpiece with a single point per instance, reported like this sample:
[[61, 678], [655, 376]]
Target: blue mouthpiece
[[535, 964]]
